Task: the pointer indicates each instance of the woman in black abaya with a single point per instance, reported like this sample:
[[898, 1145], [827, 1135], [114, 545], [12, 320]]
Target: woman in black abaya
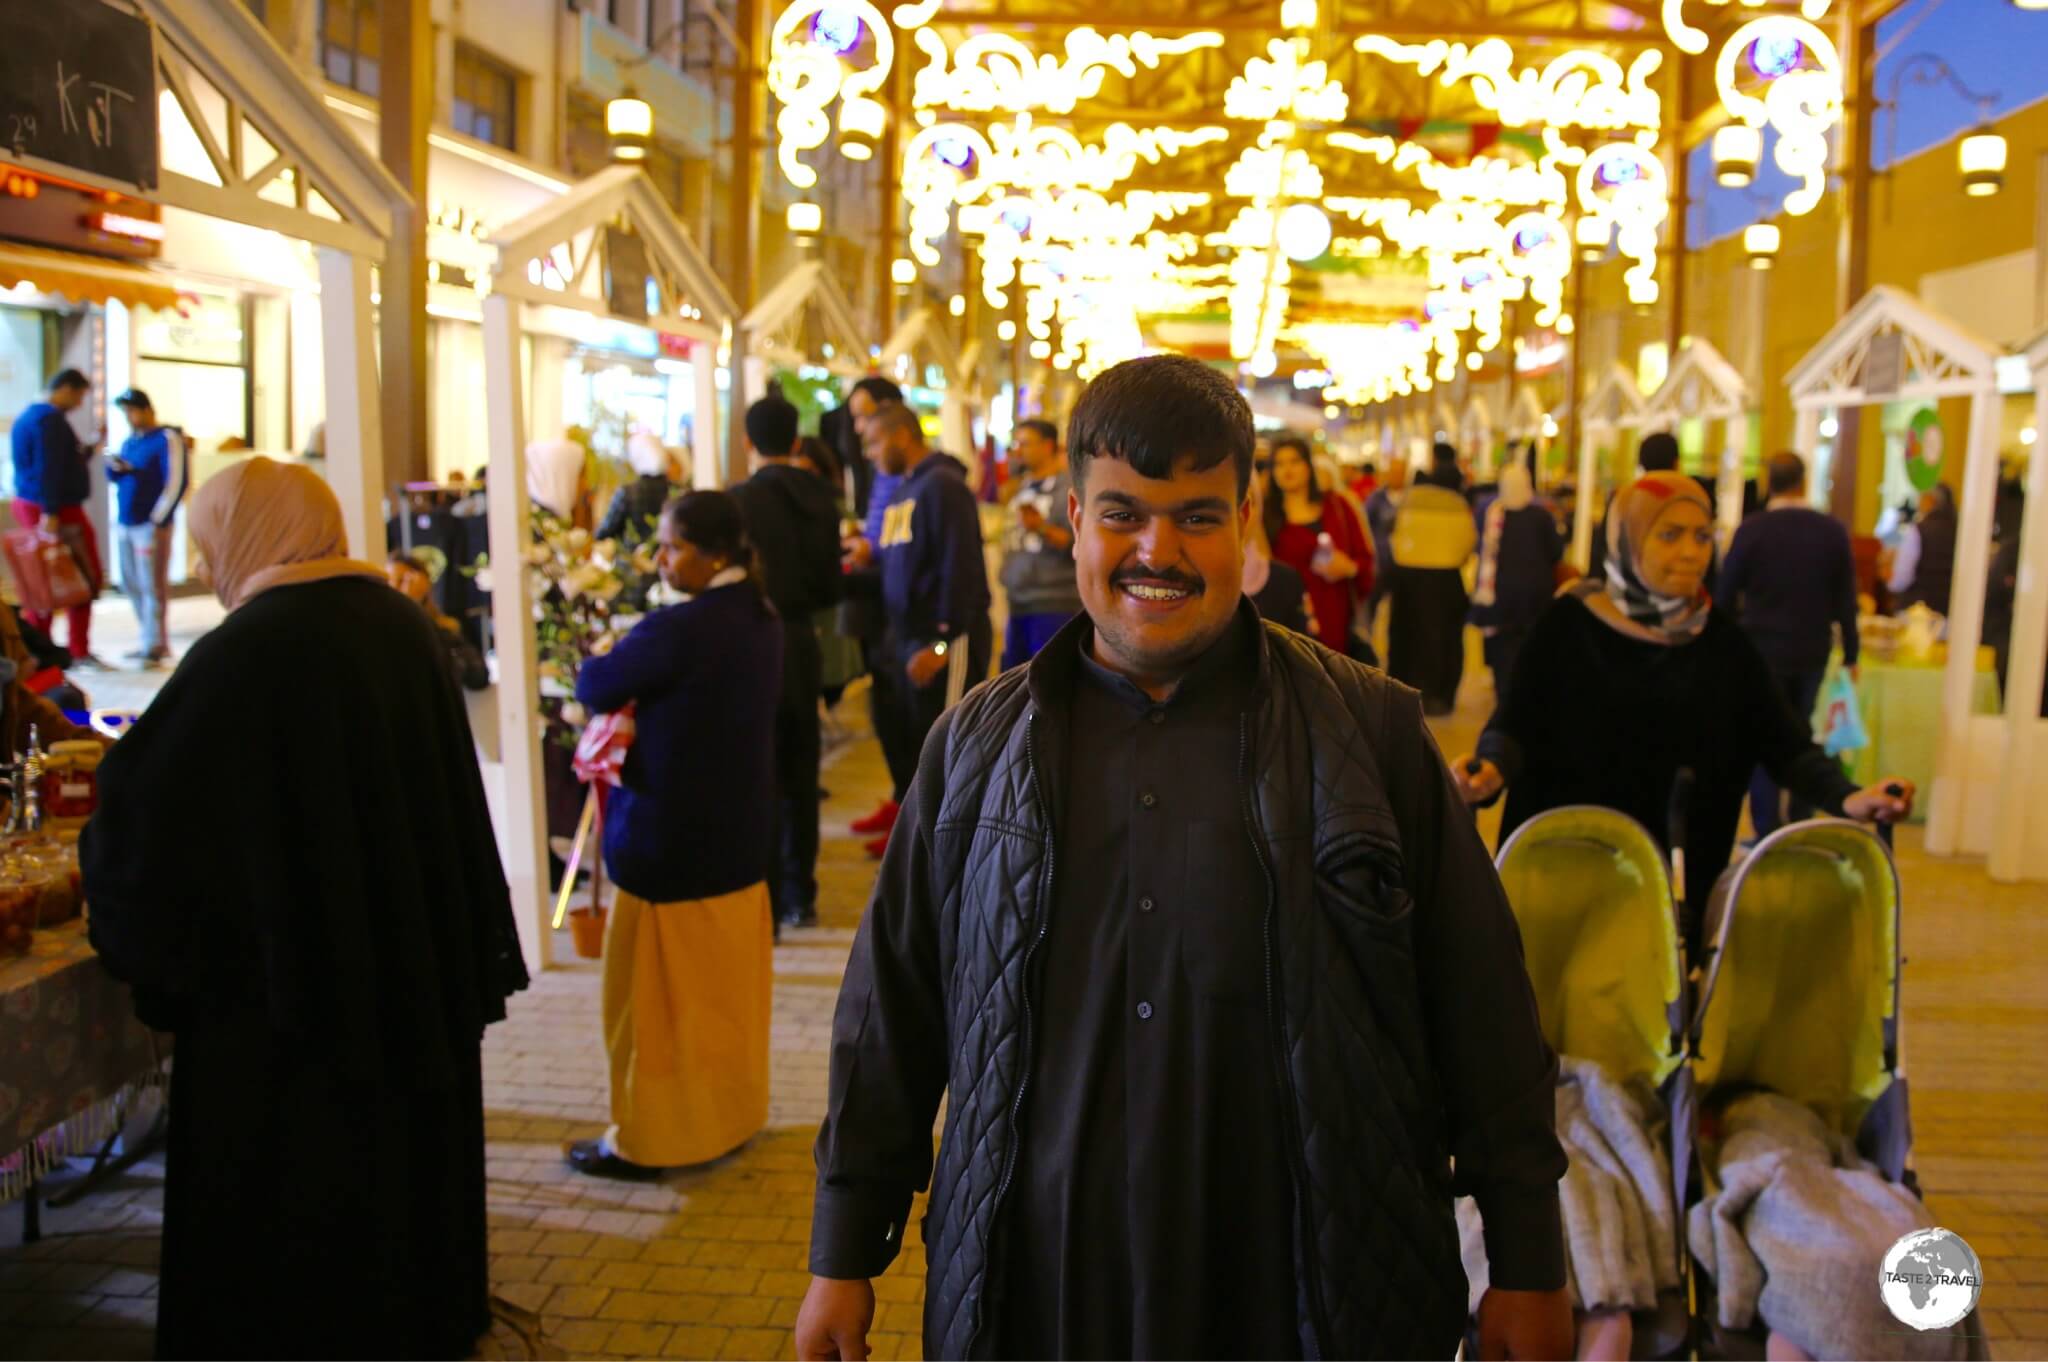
[[293, 867], [1433, 538]]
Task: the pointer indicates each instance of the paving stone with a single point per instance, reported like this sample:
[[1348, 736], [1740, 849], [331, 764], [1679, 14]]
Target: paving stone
[[638, 1340]]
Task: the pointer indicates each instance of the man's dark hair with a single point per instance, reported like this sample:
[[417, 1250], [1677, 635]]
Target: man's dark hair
[[1153, 411], [821, 456], [1786, 473], [1044, 429], [772, 427], [1659, 453], [69, 378], [895, 416], [880, 389]]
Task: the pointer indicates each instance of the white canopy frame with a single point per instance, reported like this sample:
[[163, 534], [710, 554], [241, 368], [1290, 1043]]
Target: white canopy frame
[[1973, 771], [804, 319], [2013, 855], [569, 238], [1614, 410], [278, 159], [1702, 385], [1475, 433], [919, 341]]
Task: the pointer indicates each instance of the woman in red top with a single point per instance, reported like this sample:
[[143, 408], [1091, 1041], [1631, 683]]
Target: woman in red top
[[1316, 531]]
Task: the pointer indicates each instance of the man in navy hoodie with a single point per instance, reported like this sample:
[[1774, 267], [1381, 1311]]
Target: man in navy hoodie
[[1791, 578], [150, 476], [51, 484], [934, 579]]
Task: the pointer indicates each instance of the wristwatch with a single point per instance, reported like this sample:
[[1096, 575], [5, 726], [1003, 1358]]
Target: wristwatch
[[939, 648]]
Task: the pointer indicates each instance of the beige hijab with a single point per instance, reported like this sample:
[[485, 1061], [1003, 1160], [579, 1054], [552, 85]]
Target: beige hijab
[[263, 524]]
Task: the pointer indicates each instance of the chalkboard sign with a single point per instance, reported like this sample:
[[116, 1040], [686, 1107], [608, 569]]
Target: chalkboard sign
[[78, 88], [626, 274]]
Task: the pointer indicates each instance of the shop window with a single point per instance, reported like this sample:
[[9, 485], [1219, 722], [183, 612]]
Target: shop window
[[348, 43], [486, 97]]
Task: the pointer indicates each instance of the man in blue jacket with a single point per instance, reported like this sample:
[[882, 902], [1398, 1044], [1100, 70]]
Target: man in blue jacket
[[150, 476], [51, 484], [934, 579]]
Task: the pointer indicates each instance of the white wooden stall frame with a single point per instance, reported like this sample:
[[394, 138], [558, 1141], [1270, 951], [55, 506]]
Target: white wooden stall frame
[[2013, 856], [1702, 385], [567, 237], [792, 324], [1614, 410], [314, 182], [921, 340], [1941, 359]]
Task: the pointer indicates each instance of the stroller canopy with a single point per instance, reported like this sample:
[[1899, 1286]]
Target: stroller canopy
[[1600, 938], [1802, 995]]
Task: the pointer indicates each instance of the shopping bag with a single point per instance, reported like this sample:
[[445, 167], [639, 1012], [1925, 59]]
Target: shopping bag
[[1842, 729], [46, 573]]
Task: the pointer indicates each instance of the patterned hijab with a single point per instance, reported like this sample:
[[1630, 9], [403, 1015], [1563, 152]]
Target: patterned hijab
[[1620, 600]]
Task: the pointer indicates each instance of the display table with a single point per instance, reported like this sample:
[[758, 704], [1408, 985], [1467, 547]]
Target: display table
[[73, 1048], [1901, 704]]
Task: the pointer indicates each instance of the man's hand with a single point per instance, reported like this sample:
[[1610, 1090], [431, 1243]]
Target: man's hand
[[833, 1324], [1339, 567], [1888, 801], [1477, 779], [1031, 518], [1515, 1324], [925, 665], [856, 554]]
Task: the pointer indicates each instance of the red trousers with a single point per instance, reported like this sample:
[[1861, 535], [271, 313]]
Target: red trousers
[[28, 515]]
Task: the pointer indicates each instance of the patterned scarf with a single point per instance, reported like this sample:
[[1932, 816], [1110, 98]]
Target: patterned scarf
[[1620, 600]]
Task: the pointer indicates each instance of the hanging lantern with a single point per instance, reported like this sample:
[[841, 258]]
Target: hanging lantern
[[861, 121], [1737, 149], [805, 218], [1981, 157], [1760, 242], [903, 270], [1592, 235], [629, 123]]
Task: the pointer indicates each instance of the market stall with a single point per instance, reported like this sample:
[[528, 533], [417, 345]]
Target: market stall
[[1703, 386], [1612, 414], [920, 351], [1891, 347], [804, 320], [611, 249], [1475, 434]]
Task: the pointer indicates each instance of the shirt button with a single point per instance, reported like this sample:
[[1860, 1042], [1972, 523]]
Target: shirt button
[[1144, 905], [1158, 716], [1144, 1012], [1148, 799]]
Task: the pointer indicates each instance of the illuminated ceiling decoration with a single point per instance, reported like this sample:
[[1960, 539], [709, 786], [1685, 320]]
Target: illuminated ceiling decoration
[[1783, 71], [1624, 184], [995, 72], [810, 63], [1580, 89], [1686, 38], [1283, 86]]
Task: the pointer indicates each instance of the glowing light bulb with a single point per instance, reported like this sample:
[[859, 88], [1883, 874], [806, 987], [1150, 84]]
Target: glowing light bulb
[[1006, 330], [1263, 365], [1304, 232], [1475, 361]]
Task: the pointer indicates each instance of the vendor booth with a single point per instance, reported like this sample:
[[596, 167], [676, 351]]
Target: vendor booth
[[804, 320], [920, 350], [1703, 386], [611, 249], [1989, 769], [1475, 434], [1613, 414]]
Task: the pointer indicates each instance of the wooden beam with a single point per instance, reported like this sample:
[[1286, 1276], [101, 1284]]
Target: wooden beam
[[1266, 21]]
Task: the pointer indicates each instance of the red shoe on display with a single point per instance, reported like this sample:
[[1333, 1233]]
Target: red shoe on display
[[881, 820], [878, 846]]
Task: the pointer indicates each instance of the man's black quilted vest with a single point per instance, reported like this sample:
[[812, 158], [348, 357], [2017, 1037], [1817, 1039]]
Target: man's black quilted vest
[[1376, 1252]]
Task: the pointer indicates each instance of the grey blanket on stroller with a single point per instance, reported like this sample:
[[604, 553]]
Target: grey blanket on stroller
[[1621, 1235], [1797, 1235]]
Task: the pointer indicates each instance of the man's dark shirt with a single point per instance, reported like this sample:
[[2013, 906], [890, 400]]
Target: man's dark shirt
[[1152, 1209], [1791, 577]]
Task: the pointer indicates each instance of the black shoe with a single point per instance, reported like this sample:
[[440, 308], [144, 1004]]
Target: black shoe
[[806, 916], [588, 1156]]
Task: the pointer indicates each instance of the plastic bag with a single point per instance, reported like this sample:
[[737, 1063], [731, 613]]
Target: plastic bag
[[1842, 729]]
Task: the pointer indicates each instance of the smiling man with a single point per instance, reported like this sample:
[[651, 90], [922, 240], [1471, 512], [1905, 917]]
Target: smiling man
[[1193, 934]]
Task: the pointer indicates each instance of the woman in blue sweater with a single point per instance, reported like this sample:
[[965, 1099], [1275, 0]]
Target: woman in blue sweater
[[688, 967]]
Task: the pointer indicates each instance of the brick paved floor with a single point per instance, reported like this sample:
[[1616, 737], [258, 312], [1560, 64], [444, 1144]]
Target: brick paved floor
[[710, 1262]]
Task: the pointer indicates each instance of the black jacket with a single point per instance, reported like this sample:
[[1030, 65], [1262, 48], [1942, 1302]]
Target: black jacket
[[793, 520], [939, 995], [636, 509]]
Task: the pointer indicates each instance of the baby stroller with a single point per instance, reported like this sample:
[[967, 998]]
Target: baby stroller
[[1601, 941], [1801, 999]]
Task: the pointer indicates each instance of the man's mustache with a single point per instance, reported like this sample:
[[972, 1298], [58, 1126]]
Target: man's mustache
[[1167, 577]]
